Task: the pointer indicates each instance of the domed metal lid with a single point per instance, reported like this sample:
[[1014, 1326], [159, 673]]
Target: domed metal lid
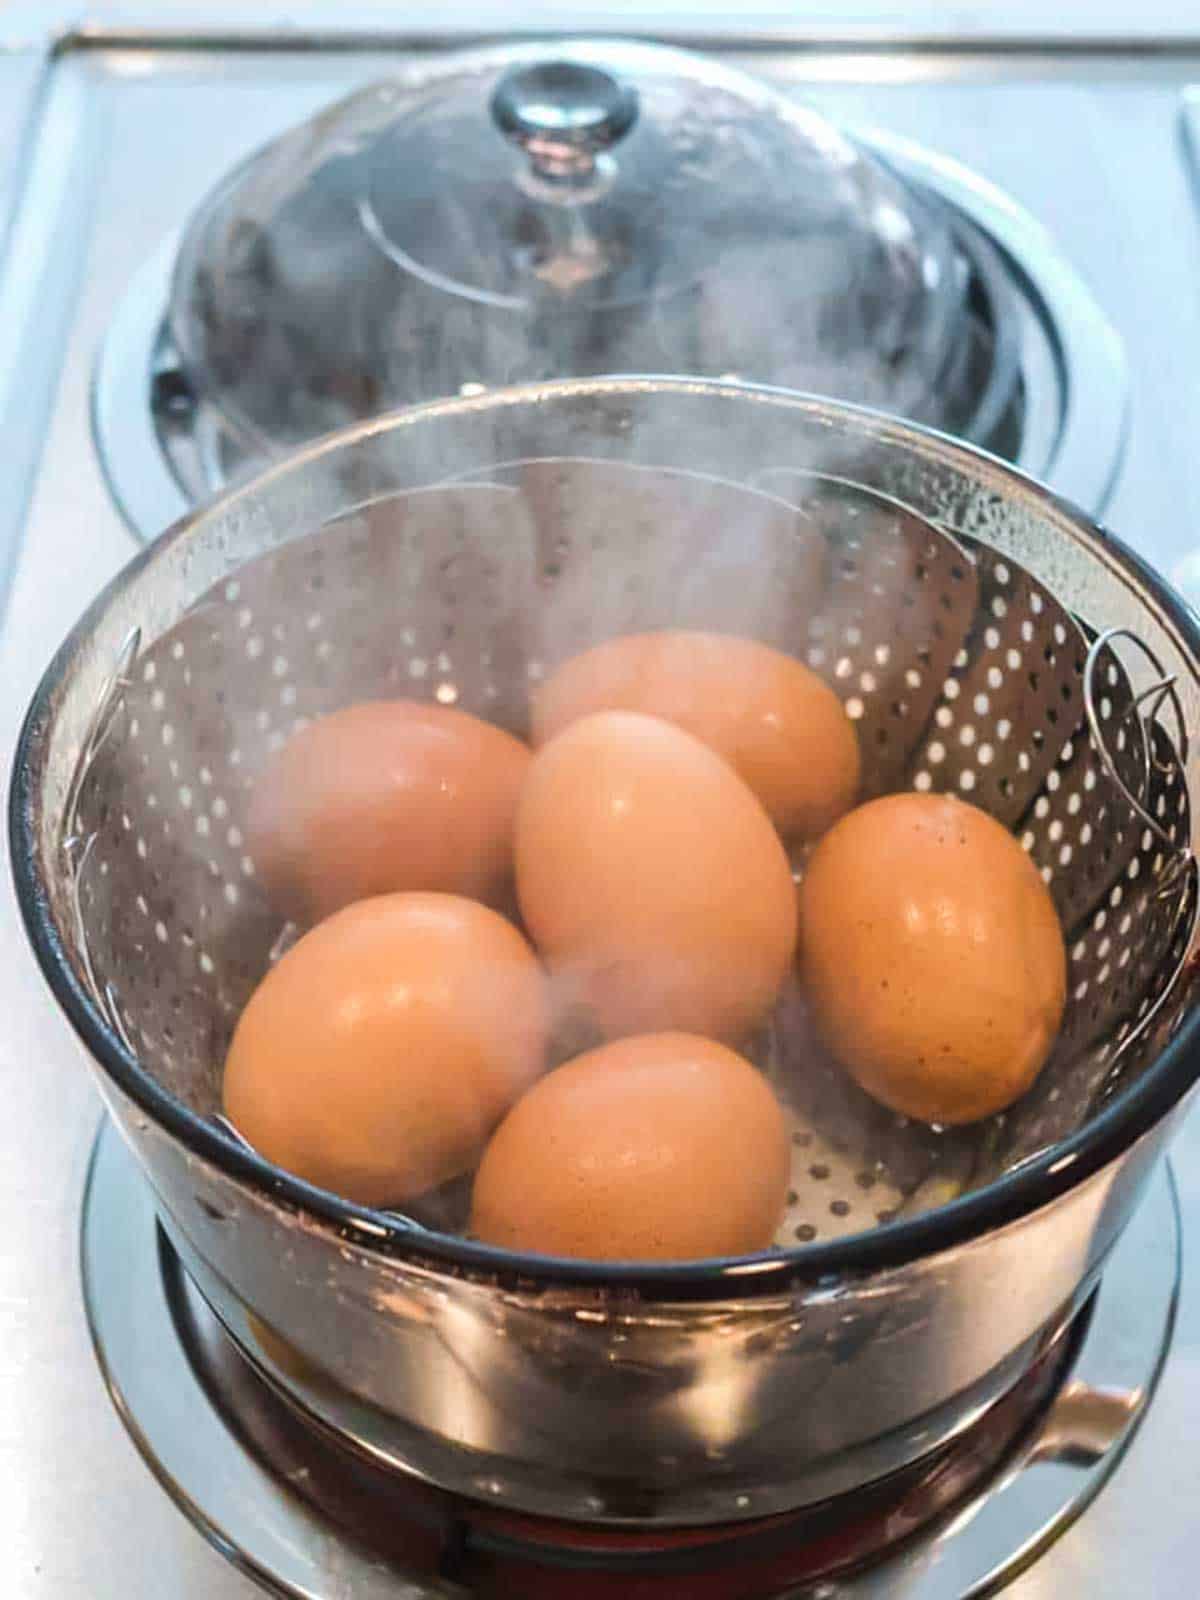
[[514, 215]]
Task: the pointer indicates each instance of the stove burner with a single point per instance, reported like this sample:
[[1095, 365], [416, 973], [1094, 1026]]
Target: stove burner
[[302, 1511], [1041, 380]]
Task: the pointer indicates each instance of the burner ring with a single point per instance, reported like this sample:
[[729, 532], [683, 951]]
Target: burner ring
[[309, 1519]]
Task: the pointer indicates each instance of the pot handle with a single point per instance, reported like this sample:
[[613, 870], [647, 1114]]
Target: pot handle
[[1084, 1424]]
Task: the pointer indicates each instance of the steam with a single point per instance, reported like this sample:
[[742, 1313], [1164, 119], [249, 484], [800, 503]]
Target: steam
[[454, 557]]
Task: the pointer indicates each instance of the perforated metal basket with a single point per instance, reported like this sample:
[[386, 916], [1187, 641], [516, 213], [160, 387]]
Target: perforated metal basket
[[961, 671], [981, 636]]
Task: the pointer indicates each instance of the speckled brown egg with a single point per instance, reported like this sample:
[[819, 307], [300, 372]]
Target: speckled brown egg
[[932, 957], [651, 880], [381, 797], [780, 728], [664, 1147], [378, 1054]]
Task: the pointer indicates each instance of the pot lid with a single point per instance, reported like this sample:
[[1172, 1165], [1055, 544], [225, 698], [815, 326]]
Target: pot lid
[[519, 214]]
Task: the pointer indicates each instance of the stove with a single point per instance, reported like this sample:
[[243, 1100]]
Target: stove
[[277, 1492], [1068, 165]]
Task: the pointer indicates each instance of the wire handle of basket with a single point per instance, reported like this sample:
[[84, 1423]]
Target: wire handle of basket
[[1143, 712]]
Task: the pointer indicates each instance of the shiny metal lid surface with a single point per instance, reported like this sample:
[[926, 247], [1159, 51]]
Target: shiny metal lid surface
[[526, 213]]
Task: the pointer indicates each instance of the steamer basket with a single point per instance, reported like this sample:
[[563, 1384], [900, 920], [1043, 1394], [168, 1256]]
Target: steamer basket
[[984, 639]]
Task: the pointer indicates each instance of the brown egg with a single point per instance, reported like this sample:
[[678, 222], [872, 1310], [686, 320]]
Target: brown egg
[[932, 957], [376, 1057], [384, 796], [665, 1147], [777, 725], [652, 881]]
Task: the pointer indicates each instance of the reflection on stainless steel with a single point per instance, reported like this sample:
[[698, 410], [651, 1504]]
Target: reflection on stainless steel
[[1063, 328], [270, 1501], [1085, 1424], [249, 1510], [564, 116]]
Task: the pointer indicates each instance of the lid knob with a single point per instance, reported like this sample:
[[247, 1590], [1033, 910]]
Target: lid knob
[[564, 115]]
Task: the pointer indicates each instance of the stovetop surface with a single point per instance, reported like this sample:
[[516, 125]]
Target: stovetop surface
[[124, 142]]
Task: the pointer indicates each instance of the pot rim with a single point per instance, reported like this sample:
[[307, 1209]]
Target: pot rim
[[1043, 1178]]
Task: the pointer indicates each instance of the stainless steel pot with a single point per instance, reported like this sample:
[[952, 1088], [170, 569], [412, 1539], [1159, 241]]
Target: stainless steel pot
[[690, 1393]]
